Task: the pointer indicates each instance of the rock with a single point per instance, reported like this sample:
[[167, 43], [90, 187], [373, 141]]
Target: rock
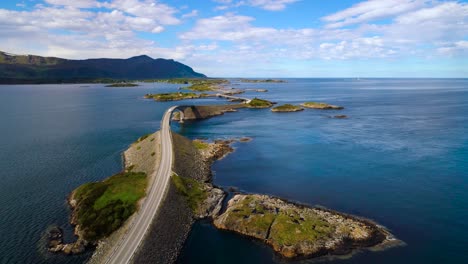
[[54, 237], [322, 106], [340, 116], [67, 249], [245, 139], [78, 247], [213, 202], [295, 230], [233, 189]]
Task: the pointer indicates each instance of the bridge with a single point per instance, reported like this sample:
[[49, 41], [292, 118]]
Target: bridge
[[127, 247], [246, 100]]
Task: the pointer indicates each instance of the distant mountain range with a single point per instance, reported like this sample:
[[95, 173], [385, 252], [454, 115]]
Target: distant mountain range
[[16, 69]]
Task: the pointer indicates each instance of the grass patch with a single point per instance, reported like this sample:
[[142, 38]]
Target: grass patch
[[291, 228], [260, 103], [320, 105], [191, 189], [287, 108], [102, 207], [173, 96], [200, 144], [153, 153]]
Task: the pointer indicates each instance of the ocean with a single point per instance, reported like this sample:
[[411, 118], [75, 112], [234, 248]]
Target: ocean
[[400, 159]]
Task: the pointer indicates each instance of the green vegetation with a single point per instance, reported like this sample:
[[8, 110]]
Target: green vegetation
[[292, 228], [203, 85], [287, 108], [122, 84], [200, 144], [256, 218], [319, 105], [140, 139], [259, 103], [174, 96], [102, 207], [191, 189]]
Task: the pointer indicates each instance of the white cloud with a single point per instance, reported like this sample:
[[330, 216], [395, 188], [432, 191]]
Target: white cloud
[[371, 10], [74, 3], [193, 13], [380, 30], [270, 5], [452, 49]]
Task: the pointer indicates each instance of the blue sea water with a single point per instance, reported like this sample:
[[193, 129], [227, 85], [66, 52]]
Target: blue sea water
[[400, 159]]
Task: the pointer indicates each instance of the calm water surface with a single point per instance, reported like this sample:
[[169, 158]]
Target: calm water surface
[[400, 159]]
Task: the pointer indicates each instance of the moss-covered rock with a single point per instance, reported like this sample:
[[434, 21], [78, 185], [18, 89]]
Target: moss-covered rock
[[259, 103], [296, 230], [323, 106], [287, 108]]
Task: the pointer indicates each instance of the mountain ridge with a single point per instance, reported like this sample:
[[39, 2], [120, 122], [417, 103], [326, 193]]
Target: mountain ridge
[[20, 69]]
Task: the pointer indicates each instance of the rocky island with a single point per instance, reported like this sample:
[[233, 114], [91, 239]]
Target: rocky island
[[124, 84], [323, 106], [287, 108], [262, 81], [298, 231], [176, 96], [259, 103]]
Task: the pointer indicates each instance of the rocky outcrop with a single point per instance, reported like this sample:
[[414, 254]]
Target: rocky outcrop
[[340, 116], [207, 111], [55, 243], [287, 108], [211, 206], [322, 106], [296, 231]]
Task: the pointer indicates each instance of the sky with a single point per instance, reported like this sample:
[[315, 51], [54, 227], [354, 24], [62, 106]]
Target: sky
[[251, 38]]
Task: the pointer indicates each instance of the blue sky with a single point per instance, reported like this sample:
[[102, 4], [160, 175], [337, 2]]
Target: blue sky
[[251, 38]]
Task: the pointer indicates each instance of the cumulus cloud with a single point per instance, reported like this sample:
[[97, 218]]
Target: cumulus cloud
[[271, 5], [230, 42], [371, 10]]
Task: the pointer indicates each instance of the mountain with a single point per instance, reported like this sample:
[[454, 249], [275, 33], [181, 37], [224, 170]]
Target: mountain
[[36, 69]]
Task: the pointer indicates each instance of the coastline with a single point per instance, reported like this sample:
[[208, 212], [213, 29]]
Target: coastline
[[169, 238]]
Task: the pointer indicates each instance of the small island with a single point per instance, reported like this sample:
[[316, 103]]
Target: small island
[[259, 103], [298, 231], [323, 106], [124, 84], [176, 96], [262, 81], [287, 108]]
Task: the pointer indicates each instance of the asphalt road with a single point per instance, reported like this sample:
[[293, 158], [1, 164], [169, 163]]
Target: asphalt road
[[125, 250]]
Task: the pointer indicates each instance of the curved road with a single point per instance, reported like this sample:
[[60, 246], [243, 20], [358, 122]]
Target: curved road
[[125, 250]]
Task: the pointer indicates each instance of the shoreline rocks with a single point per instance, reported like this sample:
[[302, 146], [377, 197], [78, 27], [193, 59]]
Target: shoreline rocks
[[298, 231]]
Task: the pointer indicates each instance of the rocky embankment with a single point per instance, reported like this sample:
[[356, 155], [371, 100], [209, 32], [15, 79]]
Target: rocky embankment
[[298, 231], [206, 111], [172, 225]]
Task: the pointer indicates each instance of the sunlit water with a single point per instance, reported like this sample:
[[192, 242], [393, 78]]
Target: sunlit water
[[400, 159]]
